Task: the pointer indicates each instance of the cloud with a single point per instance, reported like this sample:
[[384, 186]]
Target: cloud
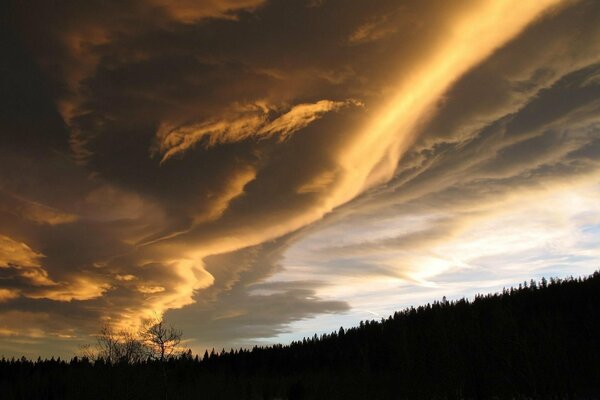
[[150, 289], [184, 154], [79, 289], [378, 27], [189, 11], [248, 309], [21, 267], [13, 252], [251, 121], [8, 294], [36, 212], [509, 198]]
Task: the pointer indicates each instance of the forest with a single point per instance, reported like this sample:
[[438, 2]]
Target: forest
[[540, 340]]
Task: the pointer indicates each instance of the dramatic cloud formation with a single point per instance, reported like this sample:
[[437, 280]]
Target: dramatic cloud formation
[[244, 166], [250, 121]]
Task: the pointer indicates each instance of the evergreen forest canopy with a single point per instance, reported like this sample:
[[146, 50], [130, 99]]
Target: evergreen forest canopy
[[537, 341]]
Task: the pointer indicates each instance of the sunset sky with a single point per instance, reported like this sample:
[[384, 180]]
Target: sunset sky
[[258, 171]]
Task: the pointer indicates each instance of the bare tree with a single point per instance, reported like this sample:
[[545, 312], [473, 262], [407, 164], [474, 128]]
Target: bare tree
[[161, 340], [154, 340], [130, 348], [116, 346]]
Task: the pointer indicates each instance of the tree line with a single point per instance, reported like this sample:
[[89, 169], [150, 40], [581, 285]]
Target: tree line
[[539, 340]]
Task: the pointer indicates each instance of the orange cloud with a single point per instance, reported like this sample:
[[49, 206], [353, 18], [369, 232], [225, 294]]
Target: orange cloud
[[188, 11], [34, 211], [17, 253], [8, 294], [150, 289], [251, 121], [234, 189], [78, 288], [26, 264]]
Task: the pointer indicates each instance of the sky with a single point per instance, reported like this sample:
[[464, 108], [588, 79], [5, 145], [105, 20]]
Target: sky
[[257, 171]]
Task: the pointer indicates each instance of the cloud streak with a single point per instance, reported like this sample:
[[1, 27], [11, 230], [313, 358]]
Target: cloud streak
[[251, 121]]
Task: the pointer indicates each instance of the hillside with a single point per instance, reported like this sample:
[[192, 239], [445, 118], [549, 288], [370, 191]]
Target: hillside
[[540, 340]]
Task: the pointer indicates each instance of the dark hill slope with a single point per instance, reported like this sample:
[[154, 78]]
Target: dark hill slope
[[537, 341]]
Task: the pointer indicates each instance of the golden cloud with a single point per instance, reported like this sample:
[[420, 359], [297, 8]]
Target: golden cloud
[[79, 288], [34, 211], [188, 11], [250, 121], [8, 294], [17, 253]]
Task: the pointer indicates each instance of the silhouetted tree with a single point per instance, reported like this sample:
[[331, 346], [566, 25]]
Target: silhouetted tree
[[161, 340], [116, 346]]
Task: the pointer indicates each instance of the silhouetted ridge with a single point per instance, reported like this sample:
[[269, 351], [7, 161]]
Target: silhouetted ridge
[[538, 341]]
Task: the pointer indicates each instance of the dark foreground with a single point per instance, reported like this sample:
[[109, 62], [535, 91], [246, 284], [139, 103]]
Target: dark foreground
[[540, 341]]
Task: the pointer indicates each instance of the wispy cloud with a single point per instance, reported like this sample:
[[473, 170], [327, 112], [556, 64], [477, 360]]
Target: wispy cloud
[[250, 121]]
